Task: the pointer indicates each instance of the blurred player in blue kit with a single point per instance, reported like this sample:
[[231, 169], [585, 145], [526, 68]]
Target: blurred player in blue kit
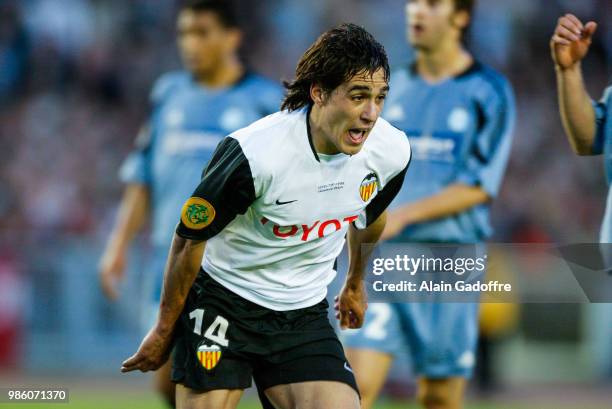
[[587, 123], [191, 111], [459, 115]]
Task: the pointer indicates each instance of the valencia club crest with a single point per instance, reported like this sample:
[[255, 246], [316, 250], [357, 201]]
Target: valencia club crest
[[368, 187], [209, 356]]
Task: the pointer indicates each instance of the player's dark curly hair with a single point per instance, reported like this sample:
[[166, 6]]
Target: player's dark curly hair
[[338, 55], [224, 9], [465, 5]]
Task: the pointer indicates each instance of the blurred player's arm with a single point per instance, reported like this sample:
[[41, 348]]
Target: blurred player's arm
[[133, 211], [181, 270], [569, 45], [453, 199]]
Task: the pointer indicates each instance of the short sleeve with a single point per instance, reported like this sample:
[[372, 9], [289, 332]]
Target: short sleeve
[[136, 167], [225, 191], [488, 154], [601, 108]]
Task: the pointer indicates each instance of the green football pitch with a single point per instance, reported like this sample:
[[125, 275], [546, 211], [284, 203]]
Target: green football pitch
[[110, 401], [135, 393]]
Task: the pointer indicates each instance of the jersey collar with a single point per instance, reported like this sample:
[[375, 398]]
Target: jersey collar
[[239, 82], [312, 148], [472, 68]]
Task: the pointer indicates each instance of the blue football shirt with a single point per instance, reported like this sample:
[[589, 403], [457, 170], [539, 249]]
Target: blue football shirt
[[186, 124], [460, 131], [603, 144]]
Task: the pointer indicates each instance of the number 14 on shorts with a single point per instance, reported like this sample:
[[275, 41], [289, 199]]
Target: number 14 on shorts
[[215, 332]]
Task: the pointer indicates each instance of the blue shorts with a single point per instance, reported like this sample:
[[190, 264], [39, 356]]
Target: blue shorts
[[440, 337]]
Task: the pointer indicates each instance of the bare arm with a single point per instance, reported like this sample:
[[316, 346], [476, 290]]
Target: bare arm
[[451, 200], [569, 45], [133, 211], [357, 257], [351, 303], [577, 113], [181, 270]]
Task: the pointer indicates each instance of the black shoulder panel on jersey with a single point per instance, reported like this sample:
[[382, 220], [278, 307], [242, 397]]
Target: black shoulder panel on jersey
[[481, 122], [382, 200], [473, 68], [226, 190]]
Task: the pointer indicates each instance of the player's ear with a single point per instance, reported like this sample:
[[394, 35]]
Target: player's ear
[[460, 19], [317, 94], [234, 39]]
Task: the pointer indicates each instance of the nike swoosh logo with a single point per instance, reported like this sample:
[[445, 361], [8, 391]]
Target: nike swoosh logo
[[347, 367], [278, 202]]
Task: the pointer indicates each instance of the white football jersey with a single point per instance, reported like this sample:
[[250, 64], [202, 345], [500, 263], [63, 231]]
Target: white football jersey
[[275, 212]]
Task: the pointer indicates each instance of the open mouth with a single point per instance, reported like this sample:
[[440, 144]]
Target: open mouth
[[357, 135], [417, 28]]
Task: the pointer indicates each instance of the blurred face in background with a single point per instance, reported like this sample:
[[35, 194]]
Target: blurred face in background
[[204, 42], [433, 23]]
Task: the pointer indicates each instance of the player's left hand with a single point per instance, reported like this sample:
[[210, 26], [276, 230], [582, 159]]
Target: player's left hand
[[351, 305], [152, 353]]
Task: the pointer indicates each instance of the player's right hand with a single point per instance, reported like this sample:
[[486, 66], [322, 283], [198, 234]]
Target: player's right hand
[[111, 272], [153, 352], [571, 40]]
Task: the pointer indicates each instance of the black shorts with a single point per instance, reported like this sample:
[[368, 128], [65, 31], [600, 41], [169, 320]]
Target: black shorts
[[223, 340]]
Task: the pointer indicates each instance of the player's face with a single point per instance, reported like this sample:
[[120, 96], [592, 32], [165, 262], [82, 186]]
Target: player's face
[[349, 112], [203, 41], [430, 23]]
